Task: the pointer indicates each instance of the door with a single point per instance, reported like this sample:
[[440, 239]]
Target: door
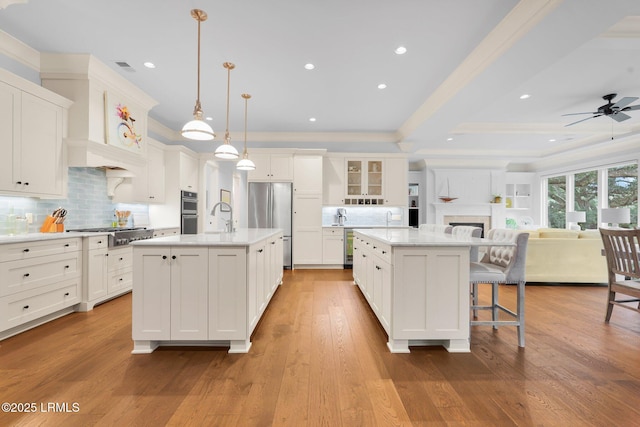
[[259, 206]]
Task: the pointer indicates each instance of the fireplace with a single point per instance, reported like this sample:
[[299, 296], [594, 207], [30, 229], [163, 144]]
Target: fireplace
[[482, 221]]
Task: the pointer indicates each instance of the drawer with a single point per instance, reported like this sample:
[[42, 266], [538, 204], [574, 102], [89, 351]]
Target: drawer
[[26, 306], [119, 259], [119, 282], [29, 250], [96, 242], [22, 275], [382, 250], [333, 231]]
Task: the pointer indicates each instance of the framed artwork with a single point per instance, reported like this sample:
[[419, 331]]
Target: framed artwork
[[225, 196], [120, 129]]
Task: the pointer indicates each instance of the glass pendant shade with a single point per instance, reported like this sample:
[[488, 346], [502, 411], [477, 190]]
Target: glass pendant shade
[[226, 151], [197, 129]]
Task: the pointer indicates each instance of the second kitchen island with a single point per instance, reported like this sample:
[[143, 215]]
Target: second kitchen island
[[203, 289]]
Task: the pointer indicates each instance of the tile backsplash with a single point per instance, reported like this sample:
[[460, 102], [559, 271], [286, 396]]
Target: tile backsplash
[[87, 204]]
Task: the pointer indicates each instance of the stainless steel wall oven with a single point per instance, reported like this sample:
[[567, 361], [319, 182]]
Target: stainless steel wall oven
[[188, 212]]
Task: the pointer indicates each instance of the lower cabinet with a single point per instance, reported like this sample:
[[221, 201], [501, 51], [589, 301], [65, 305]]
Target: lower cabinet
[[41, 280], [204, 294], [333, 246]]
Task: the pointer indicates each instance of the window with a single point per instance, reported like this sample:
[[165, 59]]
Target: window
[[556, 201], [585, 196], [591, 190], [622, 189]]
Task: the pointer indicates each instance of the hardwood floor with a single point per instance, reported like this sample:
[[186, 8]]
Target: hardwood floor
[[319, 357]]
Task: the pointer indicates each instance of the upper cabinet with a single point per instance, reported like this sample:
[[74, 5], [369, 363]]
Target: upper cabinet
[[188, 166], [395, 181], [364, 181], [149, 185], [271, 167], [33, 161], [333, 181], [307, 177]]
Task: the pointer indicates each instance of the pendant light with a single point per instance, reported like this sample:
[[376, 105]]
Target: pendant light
[[226, 151], [245, 164], [198, 129]]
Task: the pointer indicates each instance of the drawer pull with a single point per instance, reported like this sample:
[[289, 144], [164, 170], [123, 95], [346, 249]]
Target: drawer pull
[[273, 243], [121, 279], [66, 245], [66, 266], [25, 307], [375, 247], [384, 252], [121, 258], [25, 250], [173, 257], [99, 242], [259, 251], [364, 256], [164, 257], [66, 294], [26, 274], [378, 267]]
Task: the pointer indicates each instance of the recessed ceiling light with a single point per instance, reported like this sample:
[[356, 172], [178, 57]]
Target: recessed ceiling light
[[312, 119], [309, 66], [400, 50], [552, 140], [382, 86], [450, 139], [524, 96], [149, 64], [208, 118]]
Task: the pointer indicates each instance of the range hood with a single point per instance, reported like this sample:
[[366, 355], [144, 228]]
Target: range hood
[[94, 88]]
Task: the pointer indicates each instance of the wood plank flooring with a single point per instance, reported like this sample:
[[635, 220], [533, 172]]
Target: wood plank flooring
[[319, 358]]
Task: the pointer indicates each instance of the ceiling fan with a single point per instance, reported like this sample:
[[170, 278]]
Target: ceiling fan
[[615, 111]]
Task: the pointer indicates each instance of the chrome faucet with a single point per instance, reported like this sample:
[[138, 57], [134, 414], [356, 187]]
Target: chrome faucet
[[228, 224]]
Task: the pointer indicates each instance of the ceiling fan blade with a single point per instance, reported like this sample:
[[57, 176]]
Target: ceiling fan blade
[[624, 102], [633, 107], [576, 114], [620, 117], [588, 118]]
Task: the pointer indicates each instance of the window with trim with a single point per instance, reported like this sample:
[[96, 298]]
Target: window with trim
[[589, 191]]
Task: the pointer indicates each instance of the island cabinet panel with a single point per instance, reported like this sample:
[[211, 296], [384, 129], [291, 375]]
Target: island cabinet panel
[[422, 305], [227, 293], [151, 318], [189, 293]]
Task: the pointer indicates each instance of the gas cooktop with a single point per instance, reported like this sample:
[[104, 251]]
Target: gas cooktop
[[105, 229], [120, 236]]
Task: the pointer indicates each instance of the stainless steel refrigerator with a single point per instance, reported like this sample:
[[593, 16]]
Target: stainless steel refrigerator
[[270, 206]]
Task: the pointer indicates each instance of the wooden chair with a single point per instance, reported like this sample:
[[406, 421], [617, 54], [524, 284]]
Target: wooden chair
[[621, 248], [501, 265]]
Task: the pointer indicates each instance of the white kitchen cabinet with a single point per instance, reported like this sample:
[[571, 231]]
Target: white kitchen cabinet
[[271, 167], [333, 246], [149, 185], [170, 301], [95, 270], [228, 293], [395, 181], [307, 174], [364, 181], [333, 181], [188, 167], [33, 162], [40, 282], [307, 229]]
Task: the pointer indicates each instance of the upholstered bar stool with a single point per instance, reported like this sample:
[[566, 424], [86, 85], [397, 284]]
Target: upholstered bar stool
[[464, 232], [501, 265]]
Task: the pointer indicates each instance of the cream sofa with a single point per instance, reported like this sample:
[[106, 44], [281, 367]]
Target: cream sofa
[[565, 256]]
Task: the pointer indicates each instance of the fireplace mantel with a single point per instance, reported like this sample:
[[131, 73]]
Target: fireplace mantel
[[496, 211]]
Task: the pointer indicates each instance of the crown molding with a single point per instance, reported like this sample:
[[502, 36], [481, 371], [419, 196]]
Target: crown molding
[[19, 51]]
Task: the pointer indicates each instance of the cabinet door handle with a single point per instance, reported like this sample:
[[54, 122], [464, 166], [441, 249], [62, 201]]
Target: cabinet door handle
[[378, 268], [66, 294], [173, 257], [66, 245], [99, 242], [260, 250], [164, 257], [374, 247], [66, 266], [26, 274], [384, 252], [25, 250], [273, 243], [121, 279], [19, 182], [121, 258], [25, 307], [364, 256]]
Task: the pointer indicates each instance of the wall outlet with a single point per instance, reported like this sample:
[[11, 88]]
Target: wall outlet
[[29, 217]]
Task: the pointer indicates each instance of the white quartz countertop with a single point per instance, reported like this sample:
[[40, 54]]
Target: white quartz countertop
[[414, 237], [37, 237], [240, 237]]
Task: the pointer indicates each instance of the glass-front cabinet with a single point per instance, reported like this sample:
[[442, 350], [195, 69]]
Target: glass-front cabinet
[[364, 182]]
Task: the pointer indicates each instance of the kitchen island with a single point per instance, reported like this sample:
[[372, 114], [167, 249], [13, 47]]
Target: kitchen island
[[203, 289], [417, 284]]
